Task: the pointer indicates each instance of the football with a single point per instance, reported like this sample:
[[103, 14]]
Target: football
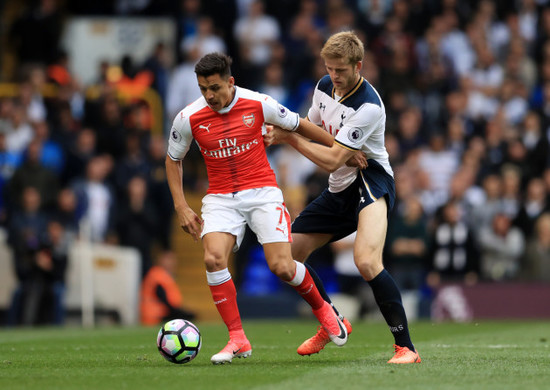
[[179, 341]]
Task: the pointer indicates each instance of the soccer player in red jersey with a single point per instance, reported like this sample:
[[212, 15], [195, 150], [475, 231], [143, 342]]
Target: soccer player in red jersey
[[228, 123]]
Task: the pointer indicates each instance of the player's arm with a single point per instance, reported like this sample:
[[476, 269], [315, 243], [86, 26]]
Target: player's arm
[[315, 133], [328, 158], [277, 115], [188, 219]]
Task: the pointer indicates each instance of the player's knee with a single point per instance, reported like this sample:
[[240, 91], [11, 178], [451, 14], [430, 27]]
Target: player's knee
[[369, 266], [283, 269], [214, 261]]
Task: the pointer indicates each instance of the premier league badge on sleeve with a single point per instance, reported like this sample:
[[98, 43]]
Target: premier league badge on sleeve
[[282, 111], [249, 120], [355, 135], [175, 136]]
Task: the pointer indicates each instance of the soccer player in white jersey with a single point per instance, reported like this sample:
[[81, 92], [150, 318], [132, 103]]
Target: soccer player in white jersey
[[227, 123], [358, 198]]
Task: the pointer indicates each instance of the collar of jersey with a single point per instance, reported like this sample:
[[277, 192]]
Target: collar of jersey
[[225, 110], [351, 92]]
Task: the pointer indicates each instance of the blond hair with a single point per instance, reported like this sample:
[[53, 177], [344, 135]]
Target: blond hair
[[344, 44]]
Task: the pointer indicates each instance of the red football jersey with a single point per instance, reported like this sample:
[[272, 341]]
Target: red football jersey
[[230, 140]]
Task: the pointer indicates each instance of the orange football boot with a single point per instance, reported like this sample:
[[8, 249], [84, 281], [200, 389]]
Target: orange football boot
[[404, 355], [316, 343]]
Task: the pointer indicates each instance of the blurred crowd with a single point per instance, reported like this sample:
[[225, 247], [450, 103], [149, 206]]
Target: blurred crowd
[[466, 85]]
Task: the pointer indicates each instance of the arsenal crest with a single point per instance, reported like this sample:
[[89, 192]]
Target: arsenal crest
[[249, 120]]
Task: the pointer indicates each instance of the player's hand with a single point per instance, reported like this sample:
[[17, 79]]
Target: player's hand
[[275, 135], [359, 160], [190, 222], [44, 260]]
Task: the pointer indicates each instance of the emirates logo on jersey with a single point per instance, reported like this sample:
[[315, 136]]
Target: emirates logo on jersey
[[249, 120]]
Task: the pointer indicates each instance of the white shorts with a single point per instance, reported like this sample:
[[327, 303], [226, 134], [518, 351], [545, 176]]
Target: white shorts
[[263, 209]]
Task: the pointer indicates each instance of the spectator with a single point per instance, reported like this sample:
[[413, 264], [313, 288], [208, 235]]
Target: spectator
[[454, 255], [188, 18], [482, 214], [255, 33], [9, 162], [532, 207], [27, 224], [519, 66], [495, 146], [457, 43], [273, 83], [64, 126], [66, 212], [536, 261], [303, 39], [137, 221], [30, 93], [53, 156], [33, 174], [464, 191], [409, 130], [180, 91], [20, 132], [26, 236], [501, 247], [408, 246], [204, 41], [80, 152], [95, 198], [537, 146], [132, 163], [483, 83], [511, 188], [512, 101], [108, 124], [159, 63], [161, 299], [440, 163]]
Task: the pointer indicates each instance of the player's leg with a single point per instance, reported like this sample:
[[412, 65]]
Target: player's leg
[[303, 244], [324, 214], [280, 262], [217, 248], [369, 244]]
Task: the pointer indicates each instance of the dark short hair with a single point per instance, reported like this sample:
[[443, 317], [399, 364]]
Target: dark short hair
[[214, 63]]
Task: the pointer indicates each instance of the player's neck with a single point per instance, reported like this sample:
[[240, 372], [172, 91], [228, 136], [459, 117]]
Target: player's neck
[[344, 92], [233, 92]]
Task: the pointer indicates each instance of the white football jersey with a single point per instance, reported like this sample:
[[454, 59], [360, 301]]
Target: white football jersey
[[356, 120]]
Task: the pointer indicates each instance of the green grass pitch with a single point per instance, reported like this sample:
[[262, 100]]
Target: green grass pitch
[[482, 355]]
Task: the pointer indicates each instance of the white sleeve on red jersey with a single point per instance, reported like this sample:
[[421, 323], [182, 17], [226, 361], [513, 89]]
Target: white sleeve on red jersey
[[180, 136], [279, 115]]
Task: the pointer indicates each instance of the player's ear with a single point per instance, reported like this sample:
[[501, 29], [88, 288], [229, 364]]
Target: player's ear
[[359, 66], [231, 81]]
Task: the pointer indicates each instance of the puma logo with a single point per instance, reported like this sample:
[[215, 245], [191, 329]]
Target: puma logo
[[207, 128]]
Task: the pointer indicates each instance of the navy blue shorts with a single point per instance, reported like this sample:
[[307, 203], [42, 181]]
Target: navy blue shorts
[[338, 213]]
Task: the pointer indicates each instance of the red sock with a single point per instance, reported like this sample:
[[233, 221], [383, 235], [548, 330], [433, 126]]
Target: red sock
[[307, 288], [225, 299]]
